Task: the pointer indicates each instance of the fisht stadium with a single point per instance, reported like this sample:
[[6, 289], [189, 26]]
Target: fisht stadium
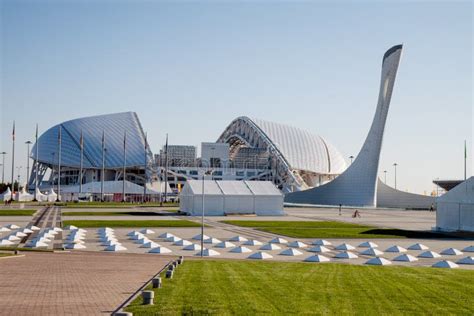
[[299, 160]]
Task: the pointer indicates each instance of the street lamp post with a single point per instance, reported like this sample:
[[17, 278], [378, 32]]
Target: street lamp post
[[351, 158], [395, 167], [3, 153], [28, 143], [385, 176], [18, 170]]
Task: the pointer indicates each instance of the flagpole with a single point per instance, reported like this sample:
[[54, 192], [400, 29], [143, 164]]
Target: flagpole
[[59, 166], [145, 175], [166, 168], [13, 160], [103, 168], [36, 164], [465, 161], [82, 162], [124, 163]]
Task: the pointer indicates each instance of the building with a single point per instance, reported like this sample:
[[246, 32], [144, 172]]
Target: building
[[296, 159], [358, 185], [214, 161], [455, 209], [231, 197], [178, 155], [109, 143]]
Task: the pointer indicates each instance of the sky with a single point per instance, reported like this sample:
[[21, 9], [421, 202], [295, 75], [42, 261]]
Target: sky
[[189, 68]]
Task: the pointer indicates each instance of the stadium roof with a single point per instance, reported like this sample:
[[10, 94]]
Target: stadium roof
[[300, 149], [112, 125]]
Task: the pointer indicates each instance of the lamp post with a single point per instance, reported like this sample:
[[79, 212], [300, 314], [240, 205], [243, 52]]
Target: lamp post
[[3, 153], [395, 167], [385, 176], [351, 158], [18, 170], [202, 214], [28, 143]]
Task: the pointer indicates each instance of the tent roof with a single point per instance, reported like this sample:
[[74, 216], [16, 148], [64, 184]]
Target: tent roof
[[210, 187], [213, 187], [263, 188], [234, 188], [462, 193]]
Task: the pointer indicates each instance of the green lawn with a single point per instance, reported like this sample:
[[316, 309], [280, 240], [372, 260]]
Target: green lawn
[[113, 213], [3, 254], [331, 229], [224, 287], [13, 212], [131, 223]]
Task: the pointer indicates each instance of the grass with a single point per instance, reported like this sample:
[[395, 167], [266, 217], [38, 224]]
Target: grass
[[13, 248], [13, 212], [224, 287], [112, 213], [331, 229], [131, 223], [3, 254], [113, 205]]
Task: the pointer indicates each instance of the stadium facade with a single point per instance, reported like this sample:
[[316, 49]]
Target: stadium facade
[[102, 138]]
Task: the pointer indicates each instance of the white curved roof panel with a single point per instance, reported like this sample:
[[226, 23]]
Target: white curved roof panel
[[302, 149]]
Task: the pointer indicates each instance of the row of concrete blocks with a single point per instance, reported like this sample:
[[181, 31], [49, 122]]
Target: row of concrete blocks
[[148, 296]]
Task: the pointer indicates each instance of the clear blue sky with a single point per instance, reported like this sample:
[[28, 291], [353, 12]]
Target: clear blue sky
[[188, 69]]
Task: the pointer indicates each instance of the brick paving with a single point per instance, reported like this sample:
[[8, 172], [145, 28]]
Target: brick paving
[[72, 283]]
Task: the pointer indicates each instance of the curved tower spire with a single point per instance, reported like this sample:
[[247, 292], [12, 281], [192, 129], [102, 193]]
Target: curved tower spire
[[357, 185]]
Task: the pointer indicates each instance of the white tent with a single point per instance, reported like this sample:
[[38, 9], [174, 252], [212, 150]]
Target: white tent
[[52, 196], [40, 196], [190, 198], [238, 199], [23, 196], [7, 195], [455, 209], [231, 197], [268, 200]]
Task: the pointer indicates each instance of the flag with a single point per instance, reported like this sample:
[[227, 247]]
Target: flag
[[146, 142], [103, 138], [13, 133], [465, 150], [59, 135], [36, 135], [124, 140], [81, 141]]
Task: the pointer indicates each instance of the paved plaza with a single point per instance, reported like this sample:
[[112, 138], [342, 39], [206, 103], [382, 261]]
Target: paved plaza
[[72, 283]]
